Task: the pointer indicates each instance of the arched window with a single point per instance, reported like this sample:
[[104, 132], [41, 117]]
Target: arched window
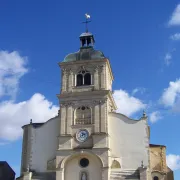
[[83, 115], [83, 78], [155, 178], [87, 79], [79, 80]]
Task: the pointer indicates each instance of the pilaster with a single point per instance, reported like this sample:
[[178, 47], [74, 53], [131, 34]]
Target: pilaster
[[97, 116], [60, 174], [96, 78], [102, 76], [63, 119], [103, 116], [69, 119], [70, 81], [64, 80]]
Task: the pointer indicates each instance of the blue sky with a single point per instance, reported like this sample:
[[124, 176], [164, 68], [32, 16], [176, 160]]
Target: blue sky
[[141, 39]]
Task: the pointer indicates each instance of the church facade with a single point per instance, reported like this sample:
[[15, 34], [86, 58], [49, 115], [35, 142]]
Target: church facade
[[88, 140]]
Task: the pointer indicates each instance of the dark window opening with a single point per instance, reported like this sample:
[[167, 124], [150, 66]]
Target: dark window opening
[[87, 79], [79, 80], [156, 178], [84, 162], [83, 78]]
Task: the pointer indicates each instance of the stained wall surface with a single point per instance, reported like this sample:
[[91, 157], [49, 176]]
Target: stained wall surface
[[128, 140], [44, 144]]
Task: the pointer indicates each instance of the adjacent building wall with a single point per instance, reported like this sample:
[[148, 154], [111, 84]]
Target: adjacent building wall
[[128, 141], [158, 158], [26, 147], [44, 144], [158, 164]]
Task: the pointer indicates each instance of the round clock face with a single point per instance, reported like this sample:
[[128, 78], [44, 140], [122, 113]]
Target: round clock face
[[82, 135]]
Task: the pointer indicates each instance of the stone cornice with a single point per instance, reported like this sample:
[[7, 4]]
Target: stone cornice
[[61, 64], [77, 95]]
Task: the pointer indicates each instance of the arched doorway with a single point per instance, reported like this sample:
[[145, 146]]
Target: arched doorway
[[83, 167]]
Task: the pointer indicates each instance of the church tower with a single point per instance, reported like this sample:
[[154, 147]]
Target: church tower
[[88, 140], [85, 101]]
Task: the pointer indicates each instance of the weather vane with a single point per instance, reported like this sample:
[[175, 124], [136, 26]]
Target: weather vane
[[87, 21]]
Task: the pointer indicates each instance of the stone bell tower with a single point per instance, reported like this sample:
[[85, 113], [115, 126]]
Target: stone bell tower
[[85, 100]]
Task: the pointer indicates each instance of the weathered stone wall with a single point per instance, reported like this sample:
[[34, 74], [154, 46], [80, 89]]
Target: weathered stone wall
[[158, 164], [158, 158]]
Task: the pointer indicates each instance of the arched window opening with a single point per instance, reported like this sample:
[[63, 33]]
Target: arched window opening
[[83, 78], [155, 178], [87, 79], [83, 115], [79, 80]]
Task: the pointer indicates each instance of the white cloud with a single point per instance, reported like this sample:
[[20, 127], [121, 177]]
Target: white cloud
[[14, 115], [175, 37], [12, 68], [167, 59], [136, 90], [127, 104], [173, 161], [155, 116], [175, 17], [171, 95]]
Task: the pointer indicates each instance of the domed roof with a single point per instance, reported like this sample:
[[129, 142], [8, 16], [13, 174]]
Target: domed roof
[[88, 53], [85, 34]]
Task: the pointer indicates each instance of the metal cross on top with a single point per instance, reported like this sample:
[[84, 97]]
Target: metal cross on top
[[86, 22]]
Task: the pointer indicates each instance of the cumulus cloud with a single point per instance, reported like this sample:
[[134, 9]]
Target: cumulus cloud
[[126, 103], [173, 161], [171, 95], [175, 17], [12, 68], [155, 116], [167, 59], [14, 115], [138, 90], [175, 37]]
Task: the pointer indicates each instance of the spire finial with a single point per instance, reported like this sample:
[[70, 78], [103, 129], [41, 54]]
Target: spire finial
[[142, 164], [86, 22], [27, 169], [144, 113]]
